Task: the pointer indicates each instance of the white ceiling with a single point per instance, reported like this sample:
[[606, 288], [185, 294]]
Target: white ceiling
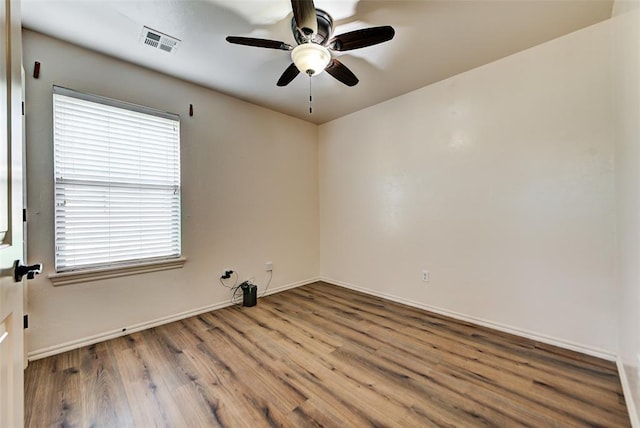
[[434, 40]]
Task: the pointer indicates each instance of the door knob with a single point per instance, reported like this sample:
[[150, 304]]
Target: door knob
[[20, 270]]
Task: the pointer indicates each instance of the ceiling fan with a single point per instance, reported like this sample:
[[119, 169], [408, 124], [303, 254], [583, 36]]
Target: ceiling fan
[[312, 30]]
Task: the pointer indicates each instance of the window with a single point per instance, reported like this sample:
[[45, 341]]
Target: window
[[117, 182]]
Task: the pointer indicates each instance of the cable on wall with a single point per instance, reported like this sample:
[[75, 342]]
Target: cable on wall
[[236, 288], [268, 283]]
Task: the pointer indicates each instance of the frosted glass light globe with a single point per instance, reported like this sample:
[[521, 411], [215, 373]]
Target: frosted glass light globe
[[311, 58]]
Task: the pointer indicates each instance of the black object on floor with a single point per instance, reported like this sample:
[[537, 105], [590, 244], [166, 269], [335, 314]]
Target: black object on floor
[[249, 295]]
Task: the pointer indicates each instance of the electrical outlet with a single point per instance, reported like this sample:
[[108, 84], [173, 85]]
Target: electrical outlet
[[268, 266], [425, 275]]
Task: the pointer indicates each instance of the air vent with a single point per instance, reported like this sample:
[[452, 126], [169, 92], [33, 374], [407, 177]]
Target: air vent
[[158, 40]]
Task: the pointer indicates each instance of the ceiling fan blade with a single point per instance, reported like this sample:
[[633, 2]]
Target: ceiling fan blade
[[361, 38], [289, 74], [304, 12], [259, 43], [341, 73]]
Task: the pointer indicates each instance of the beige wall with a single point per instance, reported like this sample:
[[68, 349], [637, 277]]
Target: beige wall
[[250, 195], [499, 181], [626, 72]]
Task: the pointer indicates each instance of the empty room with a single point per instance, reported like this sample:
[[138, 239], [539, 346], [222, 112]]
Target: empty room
[[320, 213]]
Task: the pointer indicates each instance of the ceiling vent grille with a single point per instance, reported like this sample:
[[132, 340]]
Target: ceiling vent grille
[[158, 40]]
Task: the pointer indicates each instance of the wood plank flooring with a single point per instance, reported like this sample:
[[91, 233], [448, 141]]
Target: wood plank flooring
[[322, 355]]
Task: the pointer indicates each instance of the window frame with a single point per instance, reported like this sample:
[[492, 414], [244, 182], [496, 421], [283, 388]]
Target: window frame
[[111, 268]]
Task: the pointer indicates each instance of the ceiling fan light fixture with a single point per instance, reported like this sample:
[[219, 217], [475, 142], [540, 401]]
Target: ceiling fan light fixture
[[311, 58]]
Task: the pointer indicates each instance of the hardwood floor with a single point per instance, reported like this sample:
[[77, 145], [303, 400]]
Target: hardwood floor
[[321, 355]]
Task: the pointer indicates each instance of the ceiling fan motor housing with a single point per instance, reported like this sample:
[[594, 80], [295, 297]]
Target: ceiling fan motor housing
[[325, 29]]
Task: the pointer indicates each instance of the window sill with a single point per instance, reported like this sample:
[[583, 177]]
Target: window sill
[[67, 278]]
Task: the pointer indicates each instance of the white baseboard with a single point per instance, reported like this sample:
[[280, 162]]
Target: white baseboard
[[628, 396], [57, 349], [600, 353], [101, 337]]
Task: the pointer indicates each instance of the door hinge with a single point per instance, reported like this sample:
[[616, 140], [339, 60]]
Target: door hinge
[[25, 321], [24, 214]]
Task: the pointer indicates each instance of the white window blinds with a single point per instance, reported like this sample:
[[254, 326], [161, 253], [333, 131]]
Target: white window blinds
[[117, 182]]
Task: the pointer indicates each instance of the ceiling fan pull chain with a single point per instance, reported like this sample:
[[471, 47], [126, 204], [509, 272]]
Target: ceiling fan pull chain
[[310, 97]]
